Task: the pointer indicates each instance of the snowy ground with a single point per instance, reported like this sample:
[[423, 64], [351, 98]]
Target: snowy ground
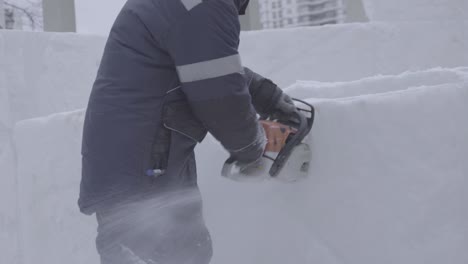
[[389, 173]]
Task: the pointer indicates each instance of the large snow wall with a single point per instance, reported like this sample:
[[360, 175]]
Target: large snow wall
[[52, 229], [41, 74], [387, 185]]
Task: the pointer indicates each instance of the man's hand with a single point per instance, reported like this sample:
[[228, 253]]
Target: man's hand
[[268, 99], [246, 172], [284, 108]]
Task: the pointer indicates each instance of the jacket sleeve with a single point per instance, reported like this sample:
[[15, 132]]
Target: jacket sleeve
[[265, 93], [203, 45]]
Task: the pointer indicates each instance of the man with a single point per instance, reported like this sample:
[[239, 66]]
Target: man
[[170, 73]]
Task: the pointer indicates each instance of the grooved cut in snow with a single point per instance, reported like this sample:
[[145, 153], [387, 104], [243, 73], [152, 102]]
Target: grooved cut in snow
[[377, 84]]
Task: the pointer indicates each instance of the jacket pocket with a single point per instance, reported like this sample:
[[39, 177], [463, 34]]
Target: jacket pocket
[[178, 117]]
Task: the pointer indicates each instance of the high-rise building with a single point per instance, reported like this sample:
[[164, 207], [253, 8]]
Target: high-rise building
[[294, 13]]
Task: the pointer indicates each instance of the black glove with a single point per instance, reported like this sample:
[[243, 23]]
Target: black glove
[[267, 98], [253, 151], [247, 172], [247, 164], [284, 108]]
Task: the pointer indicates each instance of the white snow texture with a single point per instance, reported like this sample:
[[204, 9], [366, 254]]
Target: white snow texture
[[388, 172]]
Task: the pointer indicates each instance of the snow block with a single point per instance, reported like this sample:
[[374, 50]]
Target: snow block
[[387, 184], [349, 52], [415, 10], [49, 173], [5, 115], [9, 220], [377, 84], [9, 229], [388, 178], [45, 73]]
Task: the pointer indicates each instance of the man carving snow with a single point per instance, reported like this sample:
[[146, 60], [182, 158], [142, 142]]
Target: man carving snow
[[170, 73]]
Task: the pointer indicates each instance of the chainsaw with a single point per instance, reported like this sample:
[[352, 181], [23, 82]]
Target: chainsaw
[[286, 156]]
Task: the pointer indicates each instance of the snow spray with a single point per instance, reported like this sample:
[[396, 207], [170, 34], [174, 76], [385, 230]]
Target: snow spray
[[165, 227]]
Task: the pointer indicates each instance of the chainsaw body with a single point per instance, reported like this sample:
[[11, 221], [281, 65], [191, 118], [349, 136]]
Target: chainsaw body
[[286, 156]]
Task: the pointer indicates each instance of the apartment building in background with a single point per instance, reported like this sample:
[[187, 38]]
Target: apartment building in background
[[296, 13], [60, 15], [267, 14]]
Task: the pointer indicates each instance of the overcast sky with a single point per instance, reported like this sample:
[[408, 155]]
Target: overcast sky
[[96, 16]]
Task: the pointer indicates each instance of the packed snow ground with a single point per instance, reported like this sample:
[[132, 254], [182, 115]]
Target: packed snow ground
[[389, 176]]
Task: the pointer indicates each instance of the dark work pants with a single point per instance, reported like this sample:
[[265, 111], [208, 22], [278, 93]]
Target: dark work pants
[[167, 228]]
